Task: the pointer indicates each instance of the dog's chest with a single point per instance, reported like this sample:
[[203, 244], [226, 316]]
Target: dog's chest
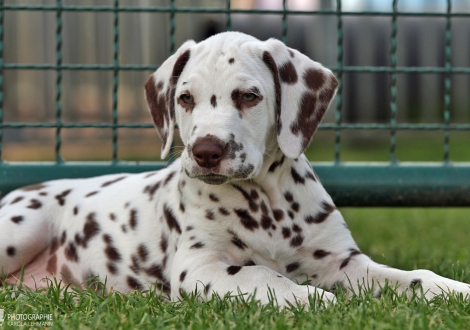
[[246, 227]]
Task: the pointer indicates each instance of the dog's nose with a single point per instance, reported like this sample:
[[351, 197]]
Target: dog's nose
[[208, 151]]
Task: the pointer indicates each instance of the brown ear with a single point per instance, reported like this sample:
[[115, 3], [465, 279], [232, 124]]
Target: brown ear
[[160, 94], [303, 90]]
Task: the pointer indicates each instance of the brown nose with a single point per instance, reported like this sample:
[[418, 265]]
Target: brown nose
[[208, 151]]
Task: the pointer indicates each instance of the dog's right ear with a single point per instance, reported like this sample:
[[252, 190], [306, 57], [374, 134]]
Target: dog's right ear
[[160, 94]]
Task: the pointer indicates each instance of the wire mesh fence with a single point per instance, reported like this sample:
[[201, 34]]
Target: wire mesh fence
[[364, 184]]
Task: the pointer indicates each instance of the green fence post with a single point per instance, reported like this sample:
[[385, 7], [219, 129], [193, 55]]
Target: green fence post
[[393, 84], [447, 81], [115, 81], [58, 102], [339, 75], [1, 80]]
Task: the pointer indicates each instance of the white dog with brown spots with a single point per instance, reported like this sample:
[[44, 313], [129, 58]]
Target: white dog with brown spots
[[241, 211]]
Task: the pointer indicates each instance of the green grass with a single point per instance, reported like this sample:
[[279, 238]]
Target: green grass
[[435, 239]]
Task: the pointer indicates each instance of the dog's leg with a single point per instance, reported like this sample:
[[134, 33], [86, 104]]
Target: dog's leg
[[362, 273], [24, 231], [209, 275]]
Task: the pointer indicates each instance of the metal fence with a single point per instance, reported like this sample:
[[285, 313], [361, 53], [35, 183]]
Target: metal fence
[[350, 184]]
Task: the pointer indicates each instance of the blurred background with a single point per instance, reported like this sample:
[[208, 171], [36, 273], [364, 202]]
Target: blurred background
[[144, 39]]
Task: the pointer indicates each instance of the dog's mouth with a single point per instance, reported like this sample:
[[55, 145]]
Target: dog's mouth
[[214, 179]]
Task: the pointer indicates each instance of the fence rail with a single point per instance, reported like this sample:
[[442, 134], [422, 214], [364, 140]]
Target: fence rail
[[350, 184]]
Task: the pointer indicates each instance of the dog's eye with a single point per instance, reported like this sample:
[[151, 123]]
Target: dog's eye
[[248, 97], [186, 98]]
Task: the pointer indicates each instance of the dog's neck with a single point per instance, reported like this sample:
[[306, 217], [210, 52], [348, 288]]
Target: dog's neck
[[277, 171]]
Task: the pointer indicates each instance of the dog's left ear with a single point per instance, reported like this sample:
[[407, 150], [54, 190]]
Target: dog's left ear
[[303, 91]]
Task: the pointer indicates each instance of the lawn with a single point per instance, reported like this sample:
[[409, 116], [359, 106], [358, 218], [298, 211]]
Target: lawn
[[432, 238]]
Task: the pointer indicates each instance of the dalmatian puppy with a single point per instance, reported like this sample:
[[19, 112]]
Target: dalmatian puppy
[[241, 211]]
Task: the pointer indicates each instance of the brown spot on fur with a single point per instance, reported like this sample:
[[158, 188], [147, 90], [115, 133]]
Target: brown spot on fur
[[52, 265], [292, 267], [286, 232], [353, 252], [170, 219], [213, 198], [295, 207], [314, 79], [142, 252], [91, 194], [17, 219], [207, 287], [61, 197], [111, 251], [288, 196], [210, 215], [276, 163], [157, 106], [288, 73], [168, 178], [214, 101], [232, 270], [11, 251], [278, 214], [67, 276], [54, 245], [415, 284], [320, 254], [237, 241], [296, 228], [322, 215], [298, 179], [17, 199], [198, 245], [269, 61], [231, 60], [250, 197], [296, 241], [33, 187], [134, 283], [246, 219], [155, 271], [183, 276], [308, 118], [70, 252], [266, 222], [311, 176], [112, 268], [133, 220], [163, 243], [151, 189], [90, 229], [34, 204], [224, 211], [108, 183]]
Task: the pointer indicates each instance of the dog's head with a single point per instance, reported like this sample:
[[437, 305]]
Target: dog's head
[[236, 99]]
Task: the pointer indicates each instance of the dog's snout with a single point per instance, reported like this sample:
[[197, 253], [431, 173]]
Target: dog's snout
[[208, 151]]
